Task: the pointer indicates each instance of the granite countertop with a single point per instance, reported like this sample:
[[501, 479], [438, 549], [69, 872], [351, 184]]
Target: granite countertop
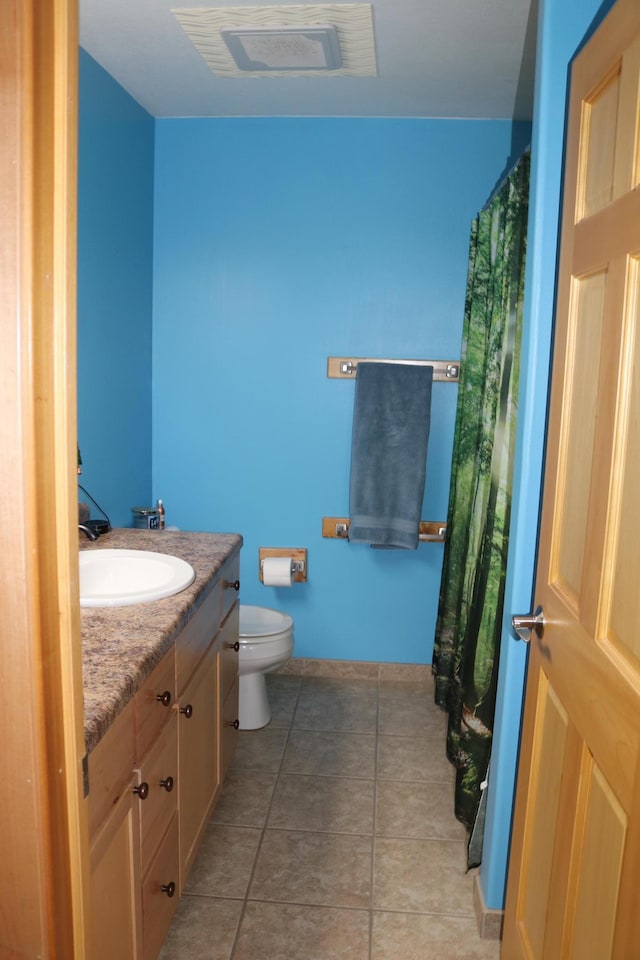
[[122, 645]]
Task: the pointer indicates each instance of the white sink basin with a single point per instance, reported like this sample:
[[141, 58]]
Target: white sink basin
[[119, 578]]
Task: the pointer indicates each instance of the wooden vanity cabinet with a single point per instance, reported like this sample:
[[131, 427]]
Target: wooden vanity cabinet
[[155, 776], [156, 772], [198, 775], [116, 916]]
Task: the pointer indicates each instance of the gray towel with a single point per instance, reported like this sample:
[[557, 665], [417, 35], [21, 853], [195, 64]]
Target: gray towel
[[392, 413]]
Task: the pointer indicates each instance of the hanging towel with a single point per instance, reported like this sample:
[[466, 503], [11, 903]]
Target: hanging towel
[[392, 412]]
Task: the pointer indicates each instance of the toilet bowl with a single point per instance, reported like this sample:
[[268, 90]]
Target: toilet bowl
[[266, 642]]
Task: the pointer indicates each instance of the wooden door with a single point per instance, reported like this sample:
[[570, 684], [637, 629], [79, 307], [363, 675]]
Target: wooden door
[[574, 875]]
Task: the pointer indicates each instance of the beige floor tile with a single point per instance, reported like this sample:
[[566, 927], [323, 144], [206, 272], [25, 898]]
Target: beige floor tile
[[407, 673], [283, 696], [245, 798], [280, 931], [410, 718], [400, 690], [420, 810], [260, 749], [330, 754], [422, 876], [397, 936], [414, 758], [224, 862], [340, 687], [286, 834], [313, 868], [203, 928], [334, 710], [333, 804]]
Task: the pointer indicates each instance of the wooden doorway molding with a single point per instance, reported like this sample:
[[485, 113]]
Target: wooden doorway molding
[[44, 876]]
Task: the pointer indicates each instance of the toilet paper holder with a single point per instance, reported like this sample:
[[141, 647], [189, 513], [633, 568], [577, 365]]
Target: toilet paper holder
[[298, 557]]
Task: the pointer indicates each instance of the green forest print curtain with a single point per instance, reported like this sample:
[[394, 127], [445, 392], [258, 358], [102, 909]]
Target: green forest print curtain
[[472, 589]]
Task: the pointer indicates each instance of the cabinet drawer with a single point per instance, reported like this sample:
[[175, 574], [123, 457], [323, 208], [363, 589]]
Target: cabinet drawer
[[158, 907], [156, 811], [230, 580], [153, 703], [110, 766], [196, 636], [229, 730], [229, 652]]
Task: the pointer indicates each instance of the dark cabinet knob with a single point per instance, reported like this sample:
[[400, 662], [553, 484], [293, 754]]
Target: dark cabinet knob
[[142, 791], [164, 698], [169, 888], [187, 711], [167, 783], [231, 585], [233, 723], [234, 646]]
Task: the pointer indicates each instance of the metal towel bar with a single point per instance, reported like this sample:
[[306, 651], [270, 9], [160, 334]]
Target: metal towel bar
[[346, 368], [429, 531]]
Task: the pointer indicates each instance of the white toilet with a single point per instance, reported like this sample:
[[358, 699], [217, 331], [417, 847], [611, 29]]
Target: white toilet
[[266, 642]]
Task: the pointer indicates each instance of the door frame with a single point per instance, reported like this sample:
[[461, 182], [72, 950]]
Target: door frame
[[44, 883]]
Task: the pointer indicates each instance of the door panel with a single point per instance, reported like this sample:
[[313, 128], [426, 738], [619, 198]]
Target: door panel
[[575, 867]]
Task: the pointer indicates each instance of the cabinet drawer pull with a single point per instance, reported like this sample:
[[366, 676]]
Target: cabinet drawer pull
[[142, 790], [167, 783], [169, 888], [234, 646], [164, 698], [232, 723], [231, 585], [187, 711]]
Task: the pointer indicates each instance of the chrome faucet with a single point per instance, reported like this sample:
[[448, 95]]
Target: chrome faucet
[[91, 534]]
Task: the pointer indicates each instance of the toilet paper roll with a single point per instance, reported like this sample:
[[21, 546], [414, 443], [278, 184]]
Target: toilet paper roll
[[277, 571]]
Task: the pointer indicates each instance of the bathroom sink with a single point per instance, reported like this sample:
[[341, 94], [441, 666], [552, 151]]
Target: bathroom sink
[[119, 578]]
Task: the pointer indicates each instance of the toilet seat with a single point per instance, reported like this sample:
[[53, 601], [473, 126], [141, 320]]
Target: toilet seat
[[259, 624]]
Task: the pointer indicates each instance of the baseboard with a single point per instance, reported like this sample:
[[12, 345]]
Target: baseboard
[[358, 670], [489, 921]]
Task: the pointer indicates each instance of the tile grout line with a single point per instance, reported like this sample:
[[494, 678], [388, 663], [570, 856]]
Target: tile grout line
[[264, 829]]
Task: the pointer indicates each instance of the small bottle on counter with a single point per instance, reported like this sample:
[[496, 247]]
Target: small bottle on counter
[[160, 512]]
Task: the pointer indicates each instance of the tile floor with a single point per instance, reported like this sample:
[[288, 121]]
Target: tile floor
[[334, 836]]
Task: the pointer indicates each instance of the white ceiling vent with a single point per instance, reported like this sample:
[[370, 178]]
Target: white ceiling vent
[[297, 40], [284, 48]]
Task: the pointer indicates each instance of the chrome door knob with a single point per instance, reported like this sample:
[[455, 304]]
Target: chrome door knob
[[530, 622]]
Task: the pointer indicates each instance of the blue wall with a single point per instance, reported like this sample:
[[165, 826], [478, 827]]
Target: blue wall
[[562, 26], [278, 243], [115, 250]]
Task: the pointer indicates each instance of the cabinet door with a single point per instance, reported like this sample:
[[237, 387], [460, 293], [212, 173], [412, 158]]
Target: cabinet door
[[230, 581], [229, 730], [229, 649], [160, 893], [197, 757], [115, 884]]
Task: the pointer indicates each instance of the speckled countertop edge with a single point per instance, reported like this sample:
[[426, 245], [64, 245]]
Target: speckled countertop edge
[[122, 645]]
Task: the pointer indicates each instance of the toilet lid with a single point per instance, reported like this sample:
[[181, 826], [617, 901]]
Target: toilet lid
[[262, 621]]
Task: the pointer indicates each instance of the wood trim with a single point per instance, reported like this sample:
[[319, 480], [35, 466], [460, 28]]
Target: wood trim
[[44, 883]]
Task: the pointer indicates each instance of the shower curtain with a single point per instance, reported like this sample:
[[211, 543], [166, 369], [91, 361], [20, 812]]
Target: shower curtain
[[472, 589]]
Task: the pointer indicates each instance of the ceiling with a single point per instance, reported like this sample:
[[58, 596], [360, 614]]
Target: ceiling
[[435, 58]]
